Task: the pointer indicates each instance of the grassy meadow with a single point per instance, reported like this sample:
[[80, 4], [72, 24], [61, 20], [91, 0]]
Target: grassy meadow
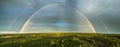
[[60, 40]]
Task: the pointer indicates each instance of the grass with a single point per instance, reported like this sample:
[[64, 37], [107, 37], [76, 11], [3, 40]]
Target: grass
[[59, 40]]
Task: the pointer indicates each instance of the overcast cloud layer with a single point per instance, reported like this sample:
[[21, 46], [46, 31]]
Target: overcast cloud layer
[[103, 14]]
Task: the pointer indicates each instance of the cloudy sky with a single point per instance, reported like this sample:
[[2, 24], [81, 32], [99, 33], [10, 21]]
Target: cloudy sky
[[104, 15]]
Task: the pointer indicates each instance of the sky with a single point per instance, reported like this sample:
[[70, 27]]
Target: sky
[[103, 15]]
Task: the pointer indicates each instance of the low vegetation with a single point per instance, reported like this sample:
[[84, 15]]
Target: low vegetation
[[60, 40]]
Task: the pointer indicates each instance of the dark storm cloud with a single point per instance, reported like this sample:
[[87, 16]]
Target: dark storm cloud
[[108, 13]]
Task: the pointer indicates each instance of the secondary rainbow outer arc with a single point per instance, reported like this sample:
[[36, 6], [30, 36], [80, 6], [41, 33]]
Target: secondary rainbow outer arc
[[26, 23], [14, 21], [105, 27]]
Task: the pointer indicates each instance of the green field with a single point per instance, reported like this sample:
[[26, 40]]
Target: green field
[[60, 40]]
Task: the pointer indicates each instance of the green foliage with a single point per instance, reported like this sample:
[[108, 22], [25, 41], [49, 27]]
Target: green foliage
[[63, 40]]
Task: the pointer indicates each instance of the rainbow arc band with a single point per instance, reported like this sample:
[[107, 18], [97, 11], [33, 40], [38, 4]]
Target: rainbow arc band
[[42, 8]]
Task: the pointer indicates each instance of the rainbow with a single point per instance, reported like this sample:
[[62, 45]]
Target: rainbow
[[42, 8]]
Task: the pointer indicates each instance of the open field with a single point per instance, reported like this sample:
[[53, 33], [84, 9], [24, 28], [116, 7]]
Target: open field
[[60, 40]]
